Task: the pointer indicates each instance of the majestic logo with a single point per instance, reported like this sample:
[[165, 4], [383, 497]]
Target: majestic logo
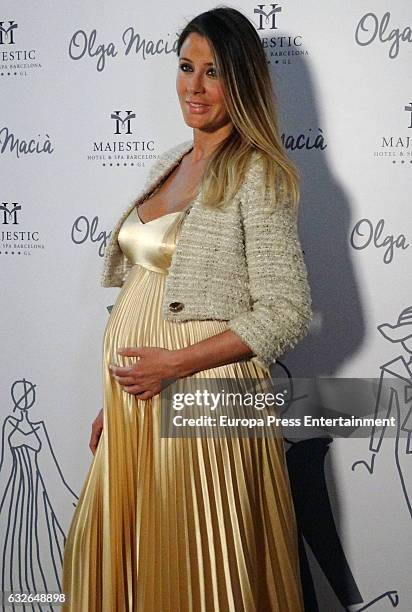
[[18, 62], [122, 150], [398, 147], [14, 240], [267, 14], [279, 48], [9, 214], [123, 124], [7, 33]]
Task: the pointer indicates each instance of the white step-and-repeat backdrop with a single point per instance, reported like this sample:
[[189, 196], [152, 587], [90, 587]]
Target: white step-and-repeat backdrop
[[88, 103]]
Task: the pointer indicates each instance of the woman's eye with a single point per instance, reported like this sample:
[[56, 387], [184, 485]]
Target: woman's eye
[[211, 71]]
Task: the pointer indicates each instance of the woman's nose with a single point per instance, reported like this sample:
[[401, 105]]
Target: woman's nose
[[196, 83]]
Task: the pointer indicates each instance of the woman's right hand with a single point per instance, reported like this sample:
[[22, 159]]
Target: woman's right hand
[[97, 428]]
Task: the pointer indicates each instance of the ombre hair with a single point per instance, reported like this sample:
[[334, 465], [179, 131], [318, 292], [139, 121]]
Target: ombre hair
[[250, 101]]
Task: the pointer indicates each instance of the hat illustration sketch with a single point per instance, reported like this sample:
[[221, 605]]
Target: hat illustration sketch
[[402, 330]]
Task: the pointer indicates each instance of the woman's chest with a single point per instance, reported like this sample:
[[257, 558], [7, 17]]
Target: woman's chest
[[173, 194]]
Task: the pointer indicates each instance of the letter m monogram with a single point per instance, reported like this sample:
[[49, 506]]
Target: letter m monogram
[[9, 214], [6, 34], [272, 13], [123, 124]]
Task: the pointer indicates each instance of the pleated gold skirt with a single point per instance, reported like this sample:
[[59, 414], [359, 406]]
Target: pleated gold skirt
[[177, 524]]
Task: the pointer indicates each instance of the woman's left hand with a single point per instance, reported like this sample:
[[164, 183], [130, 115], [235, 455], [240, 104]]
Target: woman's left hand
[[153, 372]]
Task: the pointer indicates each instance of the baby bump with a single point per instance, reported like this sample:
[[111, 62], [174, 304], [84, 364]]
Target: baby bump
[[136, 318]]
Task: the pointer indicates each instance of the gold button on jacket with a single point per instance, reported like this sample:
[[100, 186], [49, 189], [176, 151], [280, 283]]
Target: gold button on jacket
[[176, 306]]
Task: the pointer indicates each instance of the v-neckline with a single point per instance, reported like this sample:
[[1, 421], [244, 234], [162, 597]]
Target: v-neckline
[[156, 218], [156, 187]]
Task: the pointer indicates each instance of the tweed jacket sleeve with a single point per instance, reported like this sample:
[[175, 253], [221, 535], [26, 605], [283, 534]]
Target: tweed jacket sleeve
[[278, 281]]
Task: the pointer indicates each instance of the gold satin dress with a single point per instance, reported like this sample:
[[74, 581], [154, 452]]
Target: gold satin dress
[[176, 524]]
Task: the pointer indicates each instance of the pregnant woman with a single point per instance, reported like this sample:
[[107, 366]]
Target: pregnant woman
[[213, 285]]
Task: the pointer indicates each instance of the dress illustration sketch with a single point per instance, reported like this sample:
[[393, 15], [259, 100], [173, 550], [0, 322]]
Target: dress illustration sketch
[[176, 524], [32, 488]]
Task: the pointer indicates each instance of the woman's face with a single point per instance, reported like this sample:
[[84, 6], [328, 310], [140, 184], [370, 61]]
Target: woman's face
[[197, 81]]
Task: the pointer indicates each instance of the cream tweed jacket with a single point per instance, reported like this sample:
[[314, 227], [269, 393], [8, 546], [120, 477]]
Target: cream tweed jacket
[[243, 264]]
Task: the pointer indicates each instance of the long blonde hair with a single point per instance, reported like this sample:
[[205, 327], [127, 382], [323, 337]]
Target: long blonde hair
[[251, 105]]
